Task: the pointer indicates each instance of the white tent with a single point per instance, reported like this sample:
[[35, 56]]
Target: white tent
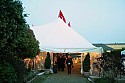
[[57, 36]]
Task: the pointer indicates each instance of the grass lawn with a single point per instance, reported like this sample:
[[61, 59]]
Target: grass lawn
[[88, 81], [39, 79]]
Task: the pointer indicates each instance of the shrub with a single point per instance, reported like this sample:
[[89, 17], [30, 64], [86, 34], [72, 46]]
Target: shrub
[[7, 73], [86, 63], [47, 64]]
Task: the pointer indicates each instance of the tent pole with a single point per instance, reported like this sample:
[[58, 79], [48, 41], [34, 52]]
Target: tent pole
[[81, 63]]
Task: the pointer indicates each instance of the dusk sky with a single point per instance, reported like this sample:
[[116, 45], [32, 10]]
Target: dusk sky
[[98, 21]]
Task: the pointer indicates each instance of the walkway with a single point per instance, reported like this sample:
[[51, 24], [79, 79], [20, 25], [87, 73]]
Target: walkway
[[64, 77]]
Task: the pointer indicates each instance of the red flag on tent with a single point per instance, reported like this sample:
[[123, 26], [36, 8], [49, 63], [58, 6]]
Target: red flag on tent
[[61, 16], [69, 24]]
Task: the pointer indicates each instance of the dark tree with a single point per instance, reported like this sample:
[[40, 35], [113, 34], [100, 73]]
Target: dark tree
[[111, 63], [86, 63], [16, 42], [47, 63]]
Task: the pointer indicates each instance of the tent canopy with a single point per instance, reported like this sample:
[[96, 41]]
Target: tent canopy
[[57, 36]]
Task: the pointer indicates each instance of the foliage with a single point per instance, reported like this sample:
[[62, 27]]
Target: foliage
[[19, 67], [15, 36], [112, 61], [104, 80], [47, 63], [30, 75], [86, 63], [111, 64], [7, 73], [27, 46], [16, 40]]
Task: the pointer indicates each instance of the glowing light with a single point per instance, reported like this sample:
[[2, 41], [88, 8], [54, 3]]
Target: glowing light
[[42, 58]]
